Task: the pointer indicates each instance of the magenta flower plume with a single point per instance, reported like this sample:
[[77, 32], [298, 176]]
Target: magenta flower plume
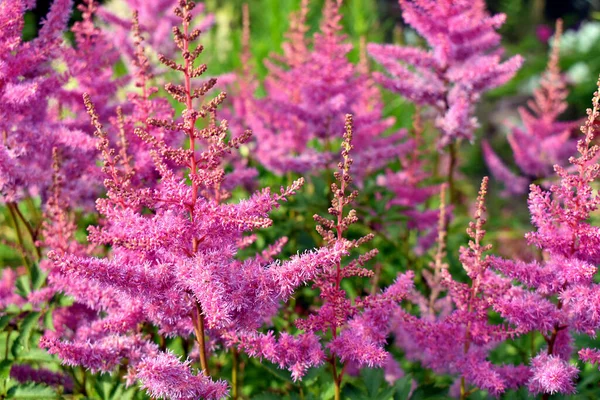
[[559, 297], [463, 61], [458, 339], [156, 22], [544, 140], [359, 330], [175, 267], [551, 374], [307, 89], [25, 373], [31, 127], [165, 376]]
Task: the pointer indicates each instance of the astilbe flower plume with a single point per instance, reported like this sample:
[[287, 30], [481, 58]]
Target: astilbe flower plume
[[308, 89], [544, 140], [453, 334], [242, 86], [173, 261], [463, 61], [560, 297], [25, 373], [359, 329], [29, 127], [89, 66], [156, 20], [134, 154]]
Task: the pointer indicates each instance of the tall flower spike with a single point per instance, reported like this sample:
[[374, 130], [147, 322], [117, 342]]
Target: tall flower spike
[[308, 90], [173, 247], [560, 297], [367, 320], [458, 338], [433, 304], [29, 125], [358, 330], [142, 106], [463, 62], [544, 140], [156, 21], [240, 110]]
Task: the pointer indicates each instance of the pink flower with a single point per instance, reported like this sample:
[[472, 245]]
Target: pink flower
[[462, 62], [551, 374], [543, 141]]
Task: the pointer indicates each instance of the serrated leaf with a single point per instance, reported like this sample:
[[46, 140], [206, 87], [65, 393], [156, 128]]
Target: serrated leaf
[[327, 391], [353, 393], [116, 393], [103, 386], [12, 309], [387, 393], [25, 329], [31, 391], [64, 301]]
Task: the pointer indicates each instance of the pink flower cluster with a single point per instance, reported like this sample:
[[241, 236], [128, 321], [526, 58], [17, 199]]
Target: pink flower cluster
[[544, 140], [174, 254], [308, 92], [463, 62]]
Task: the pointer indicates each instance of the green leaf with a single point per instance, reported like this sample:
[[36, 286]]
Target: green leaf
[[103, 385], [266, 396], [373, 379], [23, 286], [37, 355], [25, 329], [5, 366], [4, 320], [313, 374], [403, 387], [116, 393], [387, 393], [48, 320], [32, 391], [38, 277], [12, 309], [64, 301], [352, 393], [281, 374]]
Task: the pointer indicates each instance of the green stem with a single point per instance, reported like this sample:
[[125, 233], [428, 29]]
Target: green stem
[[234, 374], [451, 168], [22, 251], [30, 230]]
